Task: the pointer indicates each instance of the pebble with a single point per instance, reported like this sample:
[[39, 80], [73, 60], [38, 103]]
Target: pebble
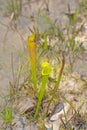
[[59, 111], [48, 126]]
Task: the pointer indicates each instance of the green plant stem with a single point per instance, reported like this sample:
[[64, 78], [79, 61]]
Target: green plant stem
[[33, 69], [58, 81], [13, 8], [45, 45], [7, 115], [42, 91]]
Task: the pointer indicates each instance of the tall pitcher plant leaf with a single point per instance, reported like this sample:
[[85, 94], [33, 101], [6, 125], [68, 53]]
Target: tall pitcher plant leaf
[[46, 70], [32, 53]]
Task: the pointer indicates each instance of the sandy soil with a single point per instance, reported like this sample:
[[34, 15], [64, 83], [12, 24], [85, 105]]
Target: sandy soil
[[13, 36]]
